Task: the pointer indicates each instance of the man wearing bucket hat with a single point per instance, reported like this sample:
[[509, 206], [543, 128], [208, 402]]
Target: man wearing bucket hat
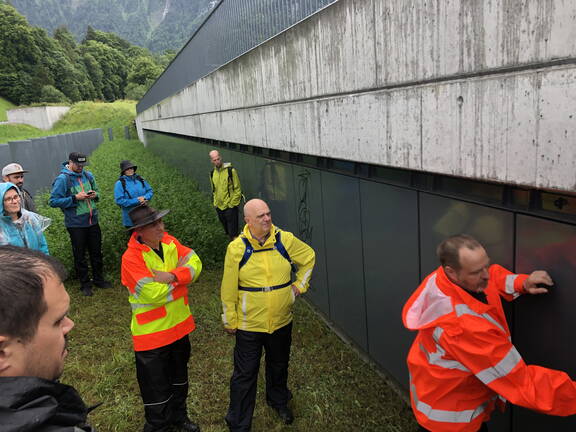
[[14, 173], [75, 192], [157, 270], [130, 190]]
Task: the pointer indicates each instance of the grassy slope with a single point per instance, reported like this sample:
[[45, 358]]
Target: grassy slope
[[83, 115], [4, 105]]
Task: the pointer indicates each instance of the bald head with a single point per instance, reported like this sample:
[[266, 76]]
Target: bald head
[[215, 158], [258, 217]]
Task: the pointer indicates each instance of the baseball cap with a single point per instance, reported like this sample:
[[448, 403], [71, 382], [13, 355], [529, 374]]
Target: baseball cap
[[78, 158], [13, 168]]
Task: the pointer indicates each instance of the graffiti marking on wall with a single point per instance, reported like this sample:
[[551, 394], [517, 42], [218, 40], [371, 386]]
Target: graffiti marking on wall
[[304, 224]]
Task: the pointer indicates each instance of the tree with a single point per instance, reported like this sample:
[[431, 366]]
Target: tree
[[52, 95]]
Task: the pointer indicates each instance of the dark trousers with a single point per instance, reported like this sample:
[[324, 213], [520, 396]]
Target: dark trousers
[[483, 428], [229, 220], [243, 385], [163, 379], [82, 239]]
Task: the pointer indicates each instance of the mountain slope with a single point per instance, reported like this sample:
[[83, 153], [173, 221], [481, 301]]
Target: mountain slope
[[154, 24]]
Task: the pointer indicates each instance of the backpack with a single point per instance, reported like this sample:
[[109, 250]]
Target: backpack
[[279, 246], [123, 183], [230, 180]]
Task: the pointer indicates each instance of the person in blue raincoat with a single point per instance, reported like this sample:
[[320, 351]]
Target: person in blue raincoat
[[18, 226], [130, 191]]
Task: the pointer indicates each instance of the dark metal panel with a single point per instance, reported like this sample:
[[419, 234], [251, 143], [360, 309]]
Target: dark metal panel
[[5, 155], [344, 255], [188, 156], [390, 241], [310, 228], [545, 324], [442, 217], [277, 188], [30, 154]]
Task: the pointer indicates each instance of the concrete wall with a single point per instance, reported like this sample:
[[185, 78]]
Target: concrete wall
[[39, 117], [43, 157], [473, 89]]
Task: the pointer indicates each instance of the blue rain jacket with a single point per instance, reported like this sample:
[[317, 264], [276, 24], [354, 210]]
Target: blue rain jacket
[[128, 199], [77, 214], [27, 231]]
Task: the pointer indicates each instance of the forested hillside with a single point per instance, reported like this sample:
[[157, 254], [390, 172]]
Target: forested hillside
[[35, 67], [154, 24]]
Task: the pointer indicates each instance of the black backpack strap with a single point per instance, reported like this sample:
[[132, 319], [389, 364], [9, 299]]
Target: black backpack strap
[[141, 181], [280, 248], [123, 183], [247, 252]]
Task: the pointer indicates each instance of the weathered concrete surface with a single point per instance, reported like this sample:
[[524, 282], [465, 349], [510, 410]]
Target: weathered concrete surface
[[474, 89], [39, 117]]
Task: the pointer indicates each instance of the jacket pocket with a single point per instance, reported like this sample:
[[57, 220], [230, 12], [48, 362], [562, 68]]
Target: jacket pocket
[[151, 315]]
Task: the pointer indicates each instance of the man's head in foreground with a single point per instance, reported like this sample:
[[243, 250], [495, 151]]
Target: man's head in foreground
[[258, 217], [33, 314], [465, 262]]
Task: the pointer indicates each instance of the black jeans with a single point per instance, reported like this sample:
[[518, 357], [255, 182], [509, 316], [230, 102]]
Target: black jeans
[[163, 379], [243, 385], [82, 239], [229, 220], [483, 428]]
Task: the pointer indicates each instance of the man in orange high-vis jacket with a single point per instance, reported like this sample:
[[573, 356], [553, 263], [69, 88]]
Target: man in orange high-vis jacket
[[157, 269], [462, 362]]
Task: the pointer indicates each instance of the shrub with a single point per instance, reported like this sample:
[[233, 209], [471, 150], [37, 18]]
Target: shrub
[[51, 94], [192, 219]]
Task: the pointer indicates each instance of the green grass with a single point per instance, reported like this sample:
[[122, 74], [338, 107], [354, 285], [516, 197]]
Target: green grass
[[334, 390], [82, 115], [5, 105]]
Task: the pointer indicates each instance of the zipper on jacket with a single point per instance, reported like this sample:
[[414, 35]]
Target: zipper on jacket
[[87, 201]]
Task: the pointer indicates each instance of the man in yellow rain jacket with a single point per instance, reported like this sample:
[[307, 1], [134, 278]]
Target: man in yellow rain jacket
[[462, 363], [257, 296], [157, 269], [226, 193]]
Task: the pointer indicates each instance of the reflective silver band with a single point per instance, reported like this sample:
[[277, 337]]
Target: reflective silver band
[[463, 309], [445, 416], [503, 368], [140, 284], [509, 286]]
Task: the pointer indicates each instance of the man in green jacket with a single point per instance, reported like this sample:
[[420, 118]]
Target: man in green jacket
[[227, 193]]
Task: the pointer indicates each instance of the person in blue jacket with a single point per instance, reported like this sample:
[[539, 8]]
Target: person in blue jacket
[[18, 226], [75, 192], [130, 191]]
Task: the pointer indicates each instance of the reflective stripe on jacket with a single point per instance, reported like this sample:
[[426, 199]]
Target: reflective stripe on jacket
[[263, 311], [160, 312], [226, 189], [463, 361]]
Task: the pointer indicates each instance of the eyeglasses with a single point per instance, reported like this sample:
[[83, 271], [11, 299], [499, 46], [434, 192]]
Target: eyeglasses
[[13, 198]]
